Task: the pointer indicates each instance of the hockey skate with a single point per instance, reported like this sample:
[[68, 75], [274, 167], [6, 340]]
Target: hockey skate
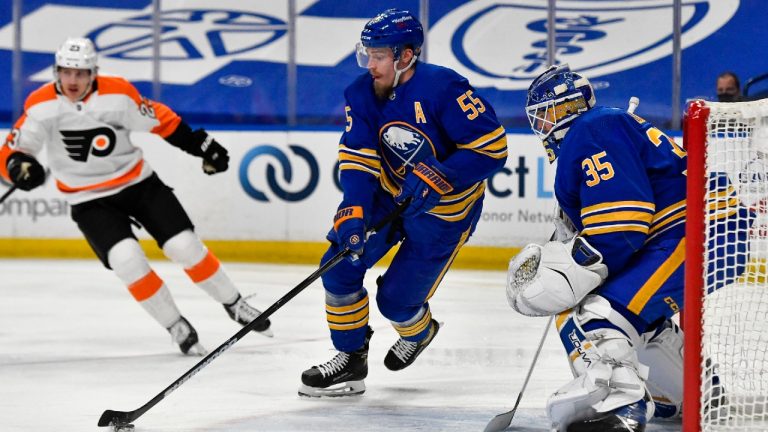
[[403, 353], [243, 313], [629, 418], [184, 335], [342, 376]]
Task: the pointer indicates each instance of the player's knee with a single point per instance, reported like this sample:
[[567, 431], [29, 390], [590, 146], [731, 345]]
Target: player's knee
[[395, 310], [185, 248], [128, 260]]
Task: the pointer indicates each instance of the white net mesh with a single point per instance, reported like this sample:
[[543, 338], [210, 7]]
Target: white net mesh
[[734, 394]]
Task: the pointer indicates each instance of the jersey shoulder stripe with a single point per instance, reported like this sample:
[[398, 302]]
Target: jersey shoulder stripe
[[117, 85], [44, 93]]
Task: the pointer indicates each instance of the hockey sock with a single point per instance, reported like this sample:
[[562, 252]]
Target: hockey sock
[[201, 265]]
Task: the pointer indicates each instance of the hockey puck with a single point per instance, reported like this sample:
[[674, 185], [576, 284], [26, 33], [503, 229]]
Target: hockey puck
[[128, 427]]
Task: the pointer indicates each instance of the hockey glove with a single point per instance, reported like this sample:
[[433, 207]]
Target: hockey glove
[[425, 185], [25, 171], [545, 280], [215, 156], [350, 231]]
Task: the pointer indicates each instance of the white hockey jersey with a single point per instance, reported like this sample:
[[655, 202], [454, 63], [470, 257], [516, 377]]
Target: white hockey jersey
[[88, 145]]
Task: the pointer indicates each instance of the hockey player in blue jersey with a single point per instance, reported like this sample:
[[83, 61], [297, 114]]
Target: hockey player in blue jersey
[[615, 278], [415, 133]]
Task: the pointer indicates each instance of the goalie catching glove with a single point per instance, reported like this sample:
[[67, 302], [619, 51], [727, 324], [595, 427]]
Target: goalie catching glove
[[545, 280], [25, 171]]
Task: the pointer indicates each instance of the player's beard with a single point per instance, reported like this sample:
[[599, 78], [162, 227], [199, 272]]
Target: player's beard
[[383, 91]]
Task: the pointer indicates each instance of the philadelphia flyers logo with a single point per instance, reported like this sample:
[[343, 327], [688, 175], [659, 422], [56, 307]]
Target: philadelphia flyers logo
[[80, 143]]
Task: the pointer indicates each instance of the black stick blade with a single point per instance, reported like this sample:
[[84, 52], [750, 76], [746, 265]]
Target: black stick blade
[[115, 418]]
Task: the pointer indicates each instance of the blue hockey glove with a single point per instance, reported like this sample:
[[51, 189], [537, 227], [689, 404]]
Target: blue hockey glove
[[25, 171], [350, 230], [425, 185]]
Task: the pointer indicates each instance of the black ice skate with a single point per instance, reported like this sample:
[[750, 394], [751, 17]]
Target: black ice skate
[[629, 418], [342, 376], [184, 335], [403, 353], [243, 313]]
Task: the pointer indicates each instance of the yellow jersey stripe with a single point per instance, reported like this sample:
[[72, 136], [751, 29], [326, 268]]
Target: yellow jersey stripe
[[618, 216], [615, 228], [485, 139], [661, 275], [657, 226], [362, 152], [669, 209], [614, 205]]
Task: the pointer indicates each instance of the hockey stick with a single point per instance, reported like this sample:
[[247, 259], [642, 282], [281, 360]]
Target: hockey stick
[[13, 188], [502, 421], [8, 193], [123, 418]]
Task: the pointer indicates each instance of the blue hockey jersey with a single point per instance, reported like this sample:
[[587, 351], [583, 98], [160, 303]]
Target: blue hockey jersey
[[436, 112], [622, 183]]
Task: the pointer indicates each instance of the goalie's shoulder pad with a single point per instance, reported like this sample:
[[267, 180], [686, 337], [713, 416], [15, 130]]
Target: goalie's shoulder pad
[[545, 280]]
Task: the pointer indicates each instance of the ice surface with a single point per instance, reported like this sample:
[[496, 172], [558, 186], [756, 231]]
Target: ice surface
[[74, 343]]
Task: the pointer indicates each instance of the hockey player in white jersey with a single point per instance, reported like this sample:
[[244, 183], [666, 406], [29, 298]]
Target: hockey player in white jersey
[[83, 120]]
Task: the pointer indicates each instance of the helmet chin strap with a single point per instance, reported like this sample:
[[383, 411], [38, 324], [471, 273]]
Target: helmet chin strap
[[398, 72]]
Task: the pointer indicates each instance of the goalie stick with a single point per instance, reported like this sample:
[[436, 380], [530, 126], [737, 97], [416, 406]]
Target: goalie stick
[[502, 421], [119, 419]]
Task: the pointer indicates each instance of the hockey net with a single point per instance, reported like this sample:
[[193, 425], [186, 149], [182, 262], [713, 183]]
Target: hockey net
[[726, 294]]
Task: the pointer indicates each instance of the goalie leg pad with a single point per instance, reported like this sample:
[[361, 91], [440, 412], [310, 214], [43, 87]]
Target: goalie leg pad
[[663, 353], [608, 373], [545, 280]]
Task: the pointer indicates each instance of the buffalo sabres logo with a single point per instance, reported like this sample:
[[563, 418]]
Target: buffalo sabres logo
[[80, 143], [403, 146]]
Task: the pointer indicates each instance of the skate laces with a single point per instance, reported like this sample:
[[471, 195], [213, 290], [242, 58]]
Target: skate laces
[[334, 365], [179, 331], [241, 309], [403, 349]]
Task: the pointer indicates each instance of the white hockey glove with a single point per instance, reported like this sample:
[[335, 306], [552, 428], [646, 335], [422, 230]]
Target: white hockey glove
[[545, 280]]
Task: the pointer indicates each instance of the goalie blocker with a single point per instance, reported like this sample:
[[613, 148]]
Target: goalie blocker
[[545, 280]]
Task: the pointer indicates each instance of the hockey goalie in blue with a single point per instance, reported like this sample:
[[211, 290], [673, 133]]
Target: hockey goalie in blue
[[417, 135], [613, 273]]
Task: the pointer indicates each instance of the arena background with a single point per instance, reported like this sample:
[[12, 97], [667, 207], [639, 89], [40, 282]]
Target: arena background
[[266, 78]]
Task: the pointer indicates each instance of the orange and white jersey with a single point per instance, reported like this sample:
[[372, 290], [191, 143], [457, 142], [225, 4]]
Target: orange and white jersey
[[88, 144]]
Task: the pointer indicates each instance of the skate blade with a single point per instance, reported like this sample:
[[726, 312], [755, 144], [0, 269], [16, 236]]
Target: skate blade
[[349, 388], [197, 350], [268, 333]]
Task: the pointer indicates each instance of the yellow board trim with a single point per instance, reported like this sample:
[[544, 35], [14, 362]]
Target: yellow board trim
[[470, 257]]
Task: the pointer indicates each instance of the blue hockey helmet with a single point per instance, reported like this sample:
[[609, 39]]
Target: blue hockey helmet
[[395, 29], [555, 98]]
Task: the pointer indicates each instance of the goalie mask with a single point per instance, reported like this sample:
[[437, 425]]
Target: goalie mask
[[76, 53], [555, 98], [394, 29]]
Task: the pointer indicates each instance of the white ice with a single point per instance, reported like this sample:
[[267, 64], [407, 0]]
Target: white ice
[[73, 343]]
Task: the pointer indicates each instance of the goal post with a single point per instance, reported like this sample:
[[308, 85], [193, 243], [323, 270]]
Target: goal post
[[725, 315]]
